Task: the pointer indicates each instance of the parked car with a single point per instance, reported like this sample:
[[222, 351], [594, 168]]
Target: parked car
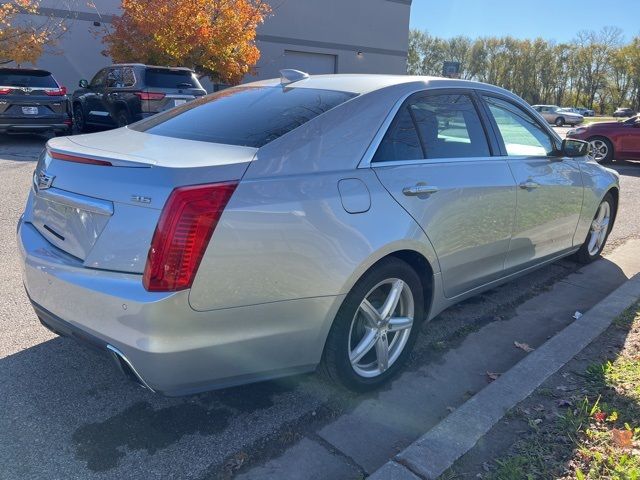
[[585, 112], [557, 116], [280, 225], [610, 140], [31, 100], [121, 94], [624, 113], [580, 111]]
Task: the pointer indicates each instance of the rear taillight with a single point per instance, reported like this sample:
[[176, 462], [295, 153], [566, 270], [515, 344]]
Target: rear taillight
[[150, 95], [185, 227], [58, 92], [5, 91], [76, 159]]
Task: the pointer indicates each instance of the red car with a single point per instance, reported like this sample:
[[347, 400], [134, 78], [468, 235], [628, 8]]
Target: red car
[[609, 140]]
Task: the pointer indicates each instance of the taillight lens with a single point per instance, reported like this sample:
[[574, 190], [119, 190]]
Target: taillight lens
[[150, 95], [76, 159], [58, 92], [185, 227], [5, 91]]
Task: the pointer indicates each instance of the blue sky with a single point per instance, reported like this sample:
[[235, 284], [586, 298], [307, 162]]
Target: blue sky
[[550, 19]]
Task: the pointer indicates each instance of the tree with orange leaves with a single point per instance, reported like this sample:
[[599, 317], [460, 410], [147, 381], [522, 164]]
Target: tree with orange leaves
[[214, 37], [23, 41]]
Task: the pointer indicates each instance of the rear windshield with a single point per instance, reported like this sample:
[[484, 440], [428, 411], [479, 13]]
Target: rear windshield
[[246, 116], [163, 78], [21, 78]]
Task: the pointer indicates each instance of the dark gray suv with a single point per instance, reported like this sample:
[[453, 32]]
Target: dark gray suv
[[31, 100], [121, 94]]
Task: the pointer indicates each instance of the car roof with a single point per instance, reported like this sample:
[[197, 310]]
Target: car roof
[[365, 83], [17, 70], [142, 65]]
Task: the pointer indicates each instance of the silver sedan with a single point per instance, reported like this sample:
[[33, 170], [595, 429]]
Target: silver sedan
[[559, 116], [279, 226]]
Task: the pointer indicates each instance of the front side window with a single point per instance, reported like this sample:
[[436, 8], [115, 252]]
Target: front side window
[[522, 135], [244, 116], [434, 126], [99, 79]]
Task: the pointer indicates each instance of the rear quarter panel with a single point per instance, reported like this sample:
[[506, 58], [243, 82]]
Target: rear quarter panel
[[287, 238]]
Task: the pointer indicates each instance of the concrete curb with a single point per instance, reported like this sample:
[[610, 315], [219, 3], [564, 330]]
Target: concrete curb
[[437, 450]]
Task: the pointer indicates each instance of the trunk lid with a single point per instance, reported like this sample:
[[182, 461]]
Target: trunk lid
[[106, 215]]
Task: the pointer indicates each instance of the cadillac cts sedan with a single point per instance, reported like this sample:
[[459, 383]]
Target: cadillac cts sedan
[[282, 225]]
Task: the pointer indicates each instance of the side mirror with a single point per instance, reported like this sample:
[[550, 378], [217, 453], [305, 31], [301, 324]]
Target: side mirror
[[574, 148], [83, 83]]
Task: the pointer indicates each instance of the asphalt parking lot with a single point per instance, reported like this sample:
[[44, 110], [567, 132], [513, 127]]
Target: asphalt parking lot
[[68, 413]]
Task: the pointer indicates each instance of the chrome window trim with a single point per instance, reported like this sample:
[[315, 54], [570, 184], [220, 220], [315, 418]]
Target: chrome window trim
[[366, 162]]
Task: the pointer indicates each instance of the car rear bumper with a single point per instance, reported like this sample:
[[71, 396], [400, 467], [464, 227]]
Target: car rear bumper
[[17, 125], [157, 338]]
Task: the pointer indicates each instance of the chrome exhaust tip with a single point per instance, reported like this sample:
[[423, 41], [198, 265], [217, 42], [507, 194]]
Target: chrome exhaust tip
[[127, 368]]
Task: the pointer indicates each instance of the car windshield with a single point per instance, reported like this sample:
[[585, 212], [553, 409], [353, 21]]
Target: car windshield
[[246, 116], [164, 78], [25, 78], [633, 120]]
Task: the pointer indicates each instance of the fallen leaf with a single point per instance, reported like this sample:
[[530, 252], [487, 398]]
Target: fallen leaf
[[451, 409], [622, 438], [493, 376], [524, 346], [600, 416]]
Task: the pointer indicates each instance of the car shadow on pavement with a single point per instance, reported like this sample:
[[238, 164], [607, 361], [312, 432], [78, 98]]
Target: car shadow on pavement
[[626, 167], [99, 421], [22, 147]]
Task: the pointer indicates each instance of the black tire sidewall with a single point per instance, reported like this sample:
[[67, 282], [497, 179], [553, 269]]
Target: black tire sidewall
[[78, 126], [336, 355], [559, 122], [122, 115]]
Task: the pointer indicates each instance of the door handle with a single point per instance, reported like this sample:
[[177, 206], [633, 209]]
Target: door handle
[[418, 190], [529, 185]]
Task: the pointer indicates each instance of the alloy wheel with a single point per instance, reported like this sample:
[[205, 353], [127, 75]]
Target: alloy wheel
[[599, 229], [599, 150], [381, 328]]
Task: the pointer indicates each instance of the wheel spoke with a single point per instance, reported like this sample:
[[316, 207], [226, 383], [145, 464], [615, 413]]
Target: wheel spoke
[[382, 352], [400, 323], [392, 300], [371, 315], [365, 345], [592, 243]]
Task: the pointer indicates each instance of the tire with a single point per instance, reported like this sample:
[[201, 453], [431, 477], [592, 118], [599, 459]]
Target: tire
[[598, 233], [79, 121], [123, 118], [601, 149], [352, 327], [559, 122]]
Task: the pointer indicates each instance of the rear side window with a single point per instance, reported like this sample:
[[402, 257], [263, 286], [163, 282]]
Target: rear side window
[[164, 78], [522, 135], [22, 78], [246, 116], [443, 125]]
